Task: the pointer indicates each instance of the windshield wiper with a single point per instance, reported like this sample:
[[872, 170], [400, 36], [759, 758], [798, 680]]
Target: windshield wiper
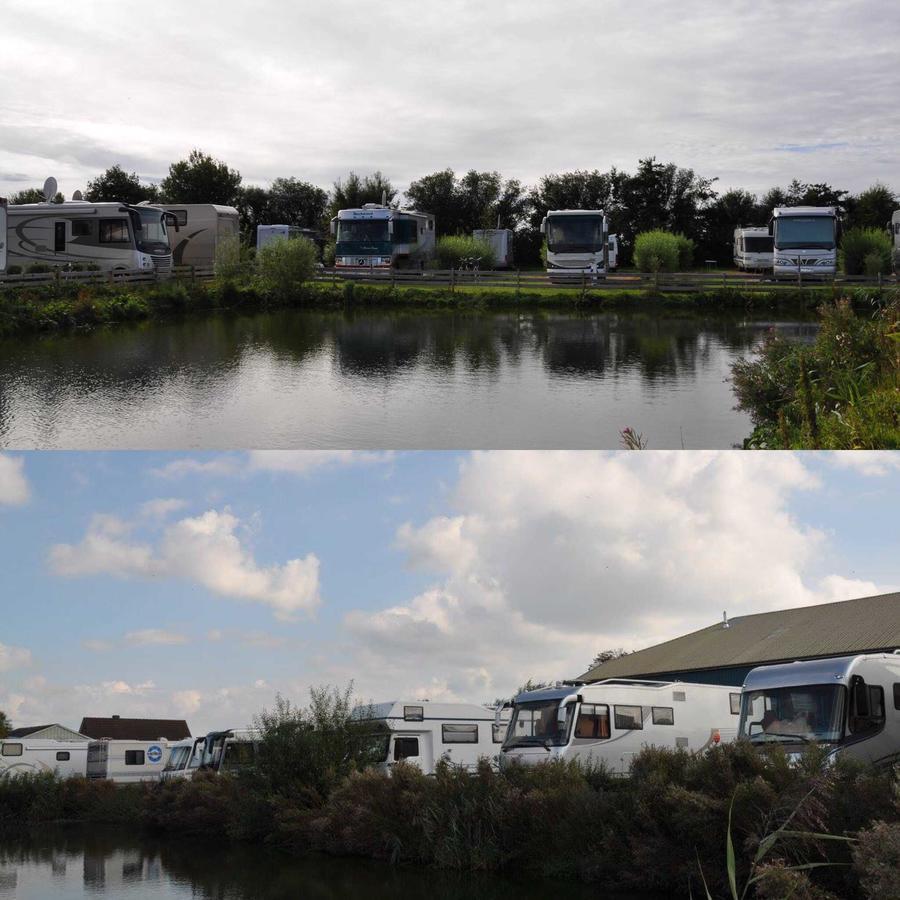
[[778, 734]]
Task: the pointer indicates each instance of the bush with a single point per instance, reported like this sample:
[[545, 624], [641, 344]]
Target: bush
[[229, 261], [328, 252], [659, 251], [877, 860], [285, 265], [686, 250], [13, 270], [866, 251], [453, 249], [39, 269]]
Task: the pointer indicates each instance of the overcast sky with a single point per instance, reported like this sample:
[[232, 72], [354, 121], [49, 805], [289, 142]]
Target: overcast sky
[[754, 93], [198, 586]]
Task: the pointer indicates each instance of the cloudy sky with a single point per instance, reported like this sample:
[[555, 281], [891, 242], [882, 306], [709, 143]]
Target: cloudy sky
[[755, 93], [198, 586]]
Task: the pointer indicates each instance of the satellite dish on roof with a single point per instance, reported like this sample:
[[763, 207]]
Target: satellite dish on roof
[[50, 188], [77, 196]]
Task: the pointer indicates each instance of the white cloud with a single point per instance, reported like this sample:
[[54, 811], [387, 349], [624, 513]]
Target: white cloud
[[217, 466], [204, 549], [162, 508], [303, 462], [14, 489], [13, 658], [149, 636], [874, 463]]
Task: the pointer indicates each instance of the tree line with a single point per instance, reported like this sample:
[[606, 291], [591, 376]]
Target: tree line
[[656, 195]]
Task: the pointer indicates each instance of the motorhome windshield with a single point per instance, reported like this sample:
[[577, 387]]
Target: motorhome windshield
[[362, 230], [575, 234], [150, 230], [541, 723], [804, 233], [761, 244], [809, 713], [177, 759]]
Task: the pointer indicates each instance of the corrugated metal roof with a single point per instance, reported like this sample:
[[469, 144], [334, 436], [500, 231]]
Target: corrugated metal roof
[[135, 729], [828, 629]]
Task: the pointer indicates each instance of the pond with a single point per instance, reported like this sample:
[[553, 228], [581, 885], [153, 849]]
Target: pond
[[379, 379], [90, 862]]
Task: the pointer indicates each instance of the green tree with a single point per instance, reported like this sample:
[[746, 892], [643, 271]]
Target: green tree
[[32, 195], [799, 193], [723, 215], [5, 724], [605, 656], [580, 189], [253, 206], [115, 184], [872, 208], [201, 179], [353, 192], [436, 194], [295, 202]]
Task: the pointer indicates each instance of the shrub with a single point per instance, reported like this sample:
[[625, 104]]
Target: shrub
[[686, 250], [39, 269], [229, 262], [285, 265], [13, 270], [328, 252], [877, 860], [658, 251], [866, 251], [451, 250]]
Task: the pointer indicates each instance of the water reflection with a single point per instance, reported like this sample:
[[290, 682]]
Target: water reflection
[[382, 379], [98, 863]]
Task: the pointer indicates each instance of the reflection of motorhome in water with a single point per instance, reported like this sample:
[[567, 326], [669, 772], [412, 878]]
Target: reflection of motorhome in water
[[849, 705], [196, 230], [421, 732], [21, 756], [804, 240], [609, 722], [377, 236], [110, 236], [577, 243], [125, 761], [753, 248]]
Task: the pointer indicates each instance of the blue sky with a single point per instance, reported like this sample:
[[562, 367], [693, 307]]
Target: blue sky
[[201, 584]]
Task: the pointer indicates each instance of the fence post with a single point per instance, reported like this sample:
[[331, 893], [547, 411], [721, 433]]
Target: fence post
[[452, 281], [518, 283]]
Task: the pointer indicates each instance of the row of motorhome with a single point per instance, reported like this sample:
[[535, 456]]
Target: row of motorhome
[[799, 240]]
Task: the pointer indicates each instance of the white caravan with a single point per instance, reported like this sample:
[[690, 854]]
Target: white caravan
[[500, 241], [421, 732], [19, 756], [893, 226], [612, 261], [804, 240], [197, 229], [126, 761], [610, 722], [753, 249], [110, 236], [3, 217], [850, 705], [380, 237], [267, 233], [577, 243]]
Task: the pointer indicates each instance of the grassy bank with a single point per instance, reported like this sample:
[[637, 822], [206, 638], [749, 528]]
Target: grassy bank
[[842, 392], [60, 306], [655, 832]]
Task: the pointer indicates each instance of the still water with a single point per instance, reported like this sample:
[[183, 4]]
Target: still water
[[310, 379], [83, 862]]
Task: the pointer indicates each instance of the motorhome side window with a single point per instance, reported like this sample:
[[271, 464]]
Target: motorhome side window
[[405, 748], [593, 722], [866, 707], [897, 696], [629, 718], [459, 734], [12, 750], [63, 756], [134, 757], [180, 216], [81, 228], [114, 231], [498, 733], [662, 715], [413, 713], [735, 701]]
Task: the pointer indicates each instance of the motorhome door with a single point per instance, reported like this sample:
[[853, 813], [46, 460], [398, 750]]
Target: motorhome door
[[3, 240]]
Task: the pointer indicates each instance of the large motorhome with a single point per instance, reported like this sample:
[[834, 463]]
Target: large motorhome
[[19, 756], [753, 249], [125, 761], [850, 705], [110, 236], [181, 755], [577, 243], [421, 732], [500, 241], [804, 240], [610, 722], [381, 237], [231, 750], [197, 229]]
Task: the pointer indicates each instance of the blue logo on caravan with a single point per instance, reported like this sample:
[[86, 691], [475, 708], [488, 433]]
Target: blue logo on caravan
[[154, 753]]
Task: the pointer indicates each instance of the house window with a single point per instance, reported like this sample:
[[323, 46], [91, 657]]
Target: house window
[[662, 715], [413, 713], [12, 750], [134, 757], [735, 701], [629, 718], [405, 747], [63, 756], [81, 228], [593, 722], [459, 734], [114, 231]]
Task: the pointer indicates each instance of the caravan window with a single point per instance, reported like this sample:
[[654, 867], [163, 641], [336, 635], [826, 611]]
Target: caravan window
[[662, 715], [114, 231], [459, 734], [81, 228], [405, 748], [735, 701], [63, 756], [134, 757], [413, 713], [498, 732], [897, 696], [12, 750], [593, 722], [629, 718]]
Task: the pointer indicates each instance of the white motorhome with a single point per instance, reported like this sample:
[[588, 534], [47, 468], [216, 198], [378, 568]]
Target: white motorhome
[[267, 233], [231, 750], [893, 226], [197, 229], [610, 722], [577, 243], [804, 240], [753, 248], [500, 241], [24, 756], [612, 261], [178, 761], [125, 761], [421, 732], [110, 236], [381, 237], [850, 705]]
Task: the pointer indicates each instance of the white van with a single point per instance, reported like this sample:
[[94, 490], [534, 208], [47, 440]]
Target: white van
[[23, 755], [610, 722], [126, 761], [753, 249]]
